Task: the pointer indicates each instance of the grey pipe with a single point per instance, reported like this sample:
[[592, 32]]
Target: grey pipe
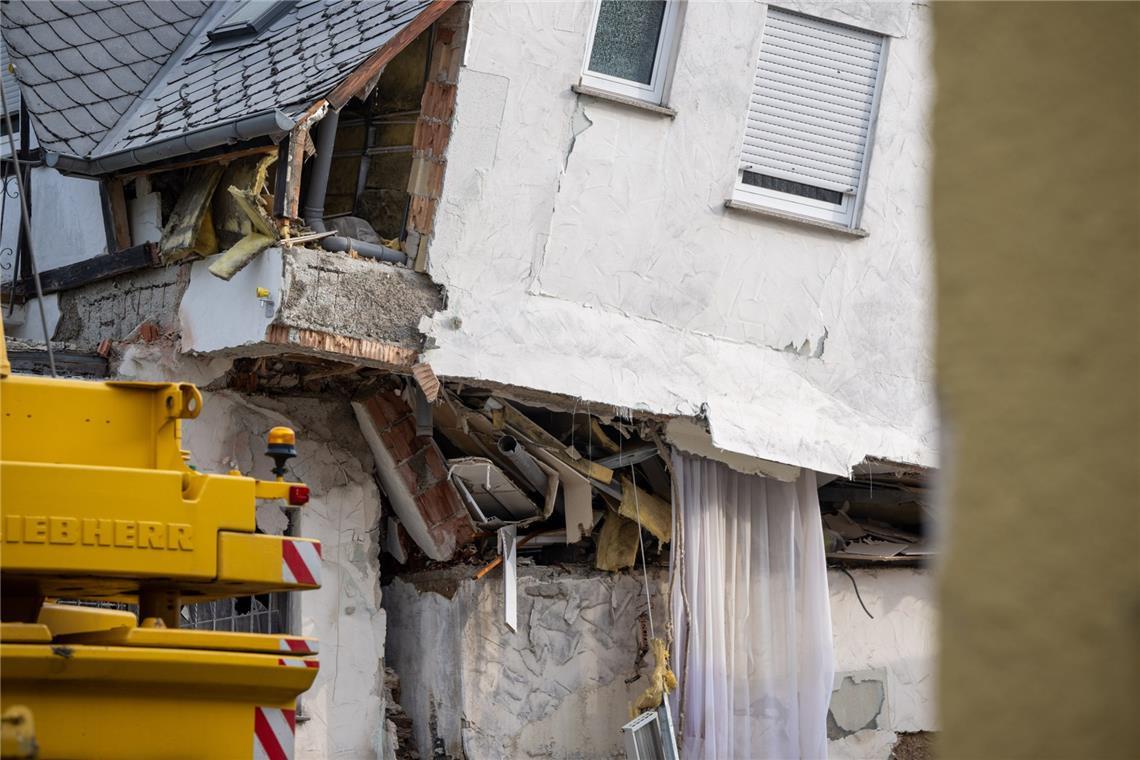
[[510, 448], [314, 212], [267, 123]]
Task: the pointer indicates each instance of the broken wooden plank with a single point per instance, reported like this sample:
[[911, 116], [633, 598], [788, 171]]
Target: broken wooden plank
[[357, 82], [239, 255], [181, 231], [90, 270], [223, 159], [534, 432], [654, 514], [120, 220], [287, 196]]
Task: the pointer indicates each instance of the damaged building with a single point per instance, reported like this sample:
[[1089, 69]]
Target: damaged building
[[610, 369]]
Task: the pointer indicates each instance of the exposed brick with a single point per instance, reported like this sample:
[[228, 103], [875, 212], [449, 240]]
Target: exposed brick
[[400, 439], [440, 503]]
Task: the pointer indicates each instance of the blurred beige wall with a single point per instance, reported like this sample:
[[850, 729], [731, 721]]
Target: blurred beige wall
[[1036, 208]]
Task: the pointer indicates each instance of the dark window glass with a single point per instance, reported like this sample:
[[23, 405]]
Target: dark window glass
[[625, 42]]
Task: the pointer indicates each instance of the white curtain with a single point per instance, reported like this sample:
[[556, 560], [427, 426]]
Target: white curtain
[[755, 660]]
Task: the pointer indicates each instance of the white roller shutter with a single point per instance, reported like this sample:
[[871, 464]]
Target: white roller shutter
[[812, 102]]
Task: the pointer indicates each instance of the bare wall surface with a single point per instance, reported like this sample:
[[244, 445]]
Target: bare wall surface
[[586, 250], [556, 687]]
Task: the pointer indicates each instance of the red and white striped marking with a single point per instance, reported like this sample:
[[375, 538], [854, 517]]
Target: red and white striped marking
[[298, 663], [273, 732], [297, 645], [301, 562]]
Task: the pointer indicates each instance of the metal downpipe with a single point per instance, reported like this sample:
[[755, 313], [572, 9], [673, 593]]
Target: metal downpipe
[[314, 212]]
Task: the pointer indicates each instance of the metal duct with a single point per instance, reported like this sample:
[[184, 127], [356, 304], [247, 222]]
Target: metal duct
[[524, 462]]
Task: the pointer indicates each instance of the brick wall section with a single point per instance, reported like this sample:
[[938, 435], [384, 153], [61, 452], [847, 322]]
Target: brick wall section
[[422, 470], [433, 130]]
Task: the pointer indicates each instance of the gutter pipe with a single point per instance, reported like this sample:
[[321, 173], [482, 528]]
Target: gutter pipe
[[268, 123], [314, 212]]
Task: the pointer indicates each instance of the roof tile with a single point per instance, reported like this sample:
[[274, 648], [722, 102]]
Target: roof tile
[[20, 42], [76, 90], [71, 32], [118, 19], [46, 37], [94, 26], [146, 44], [206, 86], [103, 85], [97, 56]]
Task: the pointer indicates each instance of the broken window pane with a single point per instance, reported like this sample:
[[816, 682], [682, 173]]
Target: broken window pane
[[794, 188], [625, 42]]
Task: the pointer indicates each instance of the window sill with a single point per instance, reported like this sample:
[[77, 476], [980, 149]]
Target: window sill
[[752, 208], [593, 92]]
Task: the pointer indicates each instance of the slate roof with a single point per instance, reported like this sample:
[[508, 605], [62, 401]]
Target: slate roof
[[117, 94], [83, 64]]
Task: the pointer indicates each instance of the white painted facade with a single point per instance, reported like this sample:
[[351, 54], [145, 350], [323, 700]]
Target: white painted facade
[[586, 249]]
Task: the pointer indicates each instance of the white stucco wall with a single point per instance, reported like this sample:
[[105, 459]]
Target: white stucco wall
[[556, 687], [586, 249], [345, 705], [898, 646]]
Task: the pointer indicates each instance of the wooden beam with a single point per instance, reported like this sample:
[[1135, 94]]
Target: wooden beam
[[289, 172], [356, 84], [120, 221], [223, 158], [90, 270]]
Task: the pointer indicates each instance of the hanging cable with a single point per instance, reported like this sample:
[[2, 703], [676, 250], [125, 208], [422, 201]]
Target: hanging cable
[[27, 222], [641, 545]]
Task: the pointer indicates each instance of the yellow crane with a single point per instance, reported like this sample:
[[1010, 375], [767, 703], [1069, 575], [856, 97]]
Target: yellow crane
[[98, 502]]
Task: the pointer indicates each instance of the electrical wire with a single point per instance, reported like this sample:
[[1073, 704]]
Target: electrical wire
[[25, 217], [856, 587]]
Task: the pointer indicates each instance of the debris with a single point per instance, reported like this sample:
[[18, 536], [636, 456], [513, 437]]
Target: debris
[[844, 526], [526, 427], [181, 234], [617, 543], [239, 255], [654, 514], [661, 681], [508, 538], [577, 497], [429, 383], [414, 474], [510, 448], [495, 493], [873, 549]]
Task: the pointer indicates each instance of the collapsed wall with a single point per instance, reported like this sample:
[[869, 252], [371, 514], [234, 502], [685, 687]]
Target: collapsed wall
[[558, 686]]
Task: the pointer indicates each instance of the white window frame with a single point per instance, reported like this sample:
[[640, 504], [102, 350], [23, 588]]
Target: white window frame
[[847, 213], [654, 92]]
